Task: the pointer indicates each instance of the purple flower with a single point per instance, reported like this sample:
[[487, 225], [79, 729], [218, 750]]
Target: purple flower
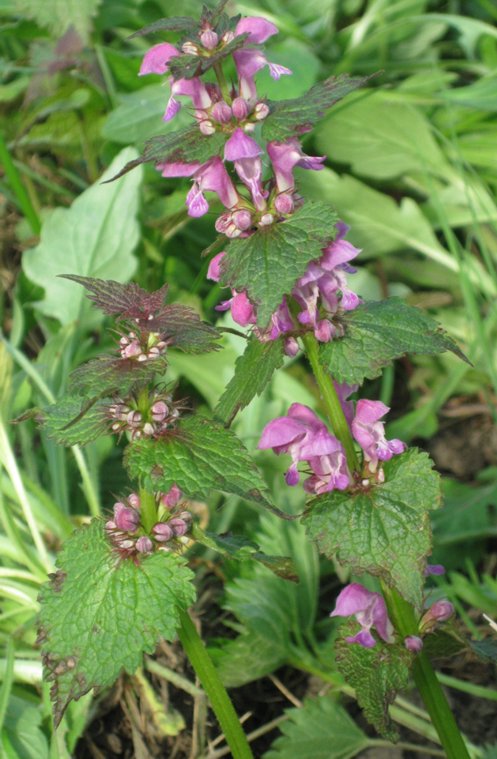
[[156, 59], [413, 643], [144, 545], [242, 310], [369, 609], [370, 434], [193, 88], [172, 497], [257, 28], [440, 611], [245, 153], [125, 518], [162, 532], [211, 176], [305, 437], [434, 569], [248, 62], [285, 156]]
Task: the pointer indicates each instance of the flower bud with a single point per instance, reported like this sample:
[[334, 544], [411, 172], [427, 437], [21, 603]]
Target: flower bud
[[207, 127], [284, 203], [261, 110], [126, 519], [267, 219], [134, 500], [133, 418], [189, 48], [159, 411], [242, 219], [222, 223], [240, 109], [144, 544], [209, 39], [291, 346], [413, 643], [132, 350], [162, 532], [440, 611], [221, 112], [148, 429], [172, 497], [178, 526], [185, 516], [228, 37]]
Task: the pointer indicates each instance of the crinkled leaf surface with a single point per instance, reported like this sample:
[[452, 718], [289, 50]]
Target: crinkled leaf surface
[[174, 24], [198, 456], [253, 371], [268, 263], [100, 613], [319, 729], [290, 118], [378, 332], [73, 421], [183, 146], [376, 674], [384, 531], [115, 376], [95, 237], [242, 549]]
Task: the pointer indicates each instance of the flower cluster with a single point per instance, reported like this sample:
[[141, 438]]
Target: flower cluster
[[142, 346], [252, 196], [153, 416], [370, 611], [307, 439], [128, 535]]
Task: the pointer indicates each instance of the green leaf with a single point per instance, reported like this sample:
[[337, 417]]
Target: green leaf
[[73, 421], [174, 24], [59, 15], [267, 264], [253, 371], [289, 118], [376, 674], [242, 549], [319, 729], [100, 613], [111, 376], [199, 456], [23, 728], [95, 237], [395, 138], [378, 332], [183, 146], [383, 531]]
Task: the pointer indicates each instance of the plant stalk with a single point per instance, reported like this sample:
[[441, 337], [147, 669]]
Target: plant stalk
[[148, 509], [404, 619], [223, 84], [216, 692], [331, 401]]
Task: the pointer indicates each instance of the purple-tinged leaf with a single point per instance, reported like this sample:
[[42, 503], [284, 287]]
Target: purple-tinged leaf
[[174, 24], [74, 421]]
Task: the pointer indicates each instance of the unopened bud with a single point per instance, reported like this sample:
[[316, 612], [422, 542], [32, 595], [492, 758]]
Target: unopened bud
[[413, 643], [172, 497], [222, 223], [284, 203], [267, 219], [209, 39], [142, 357], [134, 500], [249, 127], [159, 411], [162, 532], [154, 352], [440, 611], [126, 519], [178, 526], [144, 544], [221, 112], [261, 110], [291, 346], [232, 231], [242, 219], [185, 516], [240, 109], [148, 429], [190, 48], [131, 350], [133, 418], [207, 127], [228, 37]]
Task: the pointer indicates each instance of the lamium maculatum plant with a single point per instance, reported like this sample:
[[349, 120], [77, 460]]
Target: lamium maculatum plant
[[286, 265]]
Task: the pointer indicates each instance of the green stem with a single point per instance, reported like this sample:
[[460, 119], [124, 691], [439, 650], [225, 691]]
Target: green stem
[[331, 401], [148, 509], [223, 84], [211, 682], [404, 620], [17, 186]]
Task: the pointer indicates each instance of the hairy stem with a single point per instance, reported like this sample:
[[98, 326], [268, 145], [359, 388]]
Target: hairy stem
[[331, 401], [404, 619], [148, 509], [211, 682]]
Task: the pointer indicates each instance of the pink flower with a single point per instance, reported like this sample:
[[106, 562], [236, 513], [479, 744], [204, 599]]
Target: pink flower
[[193, 88], [248, 62], [211, 176], [125, 518], [245, 153], [369, 609], [257, 28], [305, 437], [413, 643], [172, 497], [440, 611], [156, 59], [285, 156], [242, 310], [370, 434]]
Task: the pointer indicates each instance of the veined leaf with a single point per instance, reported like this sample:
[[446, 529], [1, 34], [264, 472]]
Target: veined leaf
[[384, 531], [378, 332], [100, 613], [75, 421], [268, 263]]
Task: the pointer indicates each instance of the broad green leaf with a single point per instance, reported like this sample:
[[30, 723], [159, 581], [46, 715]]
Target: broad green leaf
[[319, 729], [72, 421], [376, 674], [385, 530], [378, 332], [23, 729], [100, 613], [396, 138], [486, 650], [253, 371], [95, 237], [267, 264], [289, 118], [111, 376], [59, 15], [174, 24], [199, 456], [183, 146], [242, 549]]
